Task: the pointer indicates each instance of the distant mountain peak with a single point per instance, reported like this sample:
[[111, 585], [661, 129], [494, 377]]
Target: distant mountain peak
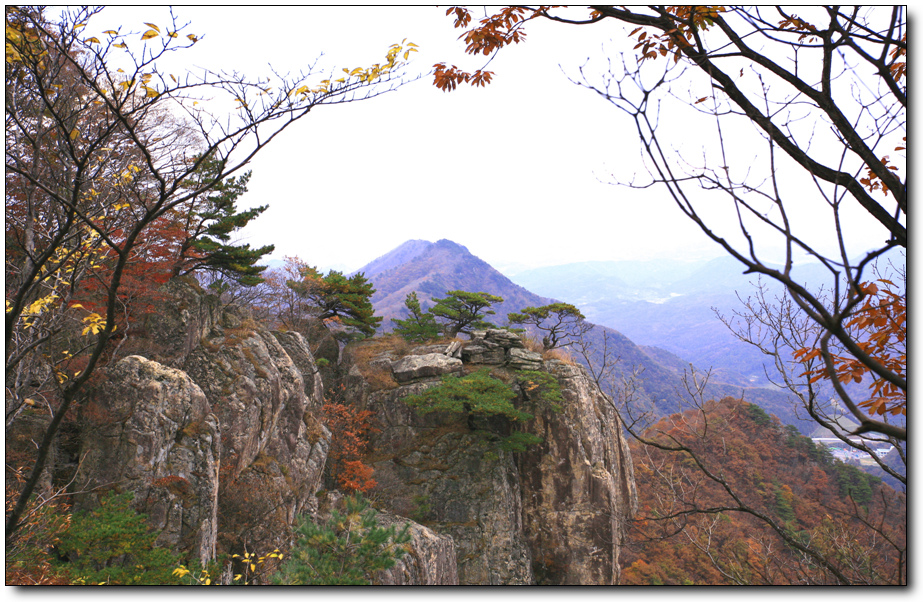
[[395, 257], [445, 243]]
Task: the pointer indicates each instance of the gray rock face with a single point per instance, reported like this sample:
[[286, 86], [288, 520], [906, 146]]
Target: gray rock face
[[417, 367], [149, 429], [430, 559], [520, 359], [274, 442], [578, 485], [478, 354], [181, 322], [458, 484]]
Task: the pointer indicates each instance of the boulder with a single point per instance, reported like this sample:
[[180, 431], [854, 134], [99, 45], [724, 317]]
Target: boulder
[[520, 359], [431, 365], [427, 349], [496, 337], [479, 354], [430, 557], [149, 429]]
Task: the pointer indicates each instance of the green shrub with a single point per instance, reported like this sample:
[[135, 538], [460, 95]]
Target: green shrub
[[477, 395], [541, 386], [113, 544], [474, 394], [349, 550]]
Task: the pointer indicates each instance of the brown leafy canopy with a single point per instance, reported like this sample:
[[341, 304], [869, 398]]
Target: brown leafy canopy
[[493, 33], [880, 326], [690, 529], [351, 429]]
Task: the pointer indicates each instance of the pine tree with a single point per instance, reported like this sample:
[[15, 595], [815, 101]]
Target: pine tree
[[113, 544], [420, 326], [349, 550], [209, 220], [464, 311], [336, 297]]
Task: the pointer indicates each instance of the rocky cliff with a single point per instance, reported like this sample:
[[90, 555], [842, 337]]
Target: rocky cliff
[[222, 454], [221, 436], [553, 514]]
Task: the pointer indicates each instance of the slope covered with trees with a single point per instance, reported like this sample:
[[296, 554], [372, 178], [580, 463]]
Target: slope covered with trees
[[746, 500]]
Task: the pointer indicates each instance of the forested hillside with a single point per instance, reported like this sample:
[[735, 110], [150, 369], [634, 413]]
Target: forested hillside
[[747, 500]]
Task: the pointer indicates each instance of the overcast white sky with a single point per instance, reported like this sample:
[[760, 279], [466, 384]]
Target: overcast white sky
[[517, 171]]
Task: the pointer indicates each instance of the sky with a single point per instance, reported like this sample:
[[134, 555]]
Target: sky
[[520, 172]]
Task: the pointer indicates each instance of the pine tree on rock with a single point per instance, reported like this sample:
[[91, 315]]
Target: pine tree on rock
[[349, 550], [559, 322], [209, 220], [463, 311], [420, 326], [338, 298]]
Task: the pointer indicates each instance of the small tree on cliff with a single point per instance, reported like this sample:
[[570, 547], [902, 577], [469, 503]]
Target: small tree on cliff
[[420, 326], [336, 297], [207, 223], [349, 550], [559, 322], [463, 311]]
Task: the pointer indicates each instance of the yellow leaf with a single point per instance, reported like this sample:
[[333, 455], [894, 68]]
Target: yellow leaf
[[120, 45], [154, 27], [74, 134], [193, 38], [150, 33], [91, 41], [111, 32], [172, 34]]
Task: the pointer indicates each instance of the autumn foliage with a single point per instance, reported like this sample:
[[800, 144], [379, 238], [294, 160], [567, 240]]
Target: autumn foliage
[[840, 524], [351, 429], [879, 325]]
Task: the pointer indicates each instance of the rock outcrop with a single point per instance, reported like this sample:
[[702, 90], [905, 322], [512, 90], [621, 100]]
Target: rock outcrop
[[578, 485], [149, 429], [223, 454], [274, 442], [554, 514]]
